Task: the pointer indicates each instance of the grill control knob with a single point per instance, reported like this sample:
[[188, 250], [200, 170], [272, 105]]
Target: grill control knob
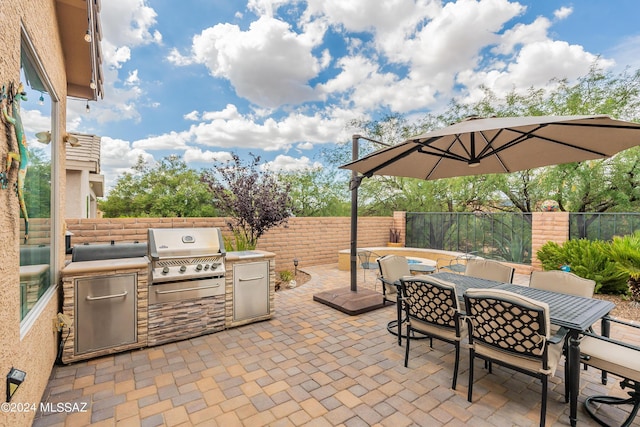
[[183, 268], [165, 270], [215, 265], [198, 267], [206, 266]]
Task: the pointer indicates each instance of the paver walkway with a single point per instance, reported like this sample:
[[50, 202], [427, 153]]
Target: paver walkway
[[308, 366]]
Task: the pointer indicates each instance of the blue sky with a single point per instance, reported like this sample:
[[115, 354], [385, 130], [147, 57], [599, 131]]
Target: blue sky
[[283, 78]]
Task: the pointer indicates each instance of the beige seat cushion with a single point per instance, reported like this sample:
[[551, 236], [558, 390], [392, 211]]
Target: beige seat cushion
[[392, 268], [489, 270], [563, 282], [611, 357]]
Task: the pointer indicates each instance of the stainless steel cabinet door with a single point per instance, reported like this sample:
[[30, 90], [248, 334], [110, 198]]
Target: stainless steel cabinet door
[[250, 290], [106, 314]]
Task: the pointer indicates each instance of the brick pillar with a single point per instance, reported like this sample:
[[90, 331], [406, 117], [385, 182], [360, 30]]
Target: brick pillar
[[400, 224], [547, 226]]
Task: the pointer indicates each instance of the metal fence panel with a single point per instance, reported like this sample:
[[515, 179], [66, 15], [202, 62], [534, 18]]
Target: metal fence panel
[[500, 236], [602, 226]]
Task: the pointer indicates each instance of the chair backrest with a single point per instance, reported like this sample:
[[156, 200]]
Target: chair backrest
[[563, 282], [392, 268], [505, 322], [367, 259], [431, 300], [490, 270]]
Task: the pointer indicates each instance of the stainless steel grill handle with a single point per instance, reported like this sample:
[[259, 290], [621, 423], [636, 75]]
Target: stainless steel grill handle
[[90, 298], [242, 279], [198, 288]]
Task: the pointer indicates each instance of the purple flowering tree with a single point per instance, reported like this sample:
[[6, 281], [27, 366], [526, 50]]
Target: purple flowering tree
[[253, 197]]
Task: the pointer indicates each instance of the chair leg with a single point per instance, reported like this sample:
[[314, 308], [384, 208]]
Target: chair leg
[[566, 380], [455, 366], [543, 408], [399, 313], [470, 388], [406, 352]]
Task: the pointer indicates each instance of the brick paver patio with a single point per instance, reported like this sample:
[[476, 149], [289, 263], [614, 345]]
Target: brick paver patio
[[310, 365]]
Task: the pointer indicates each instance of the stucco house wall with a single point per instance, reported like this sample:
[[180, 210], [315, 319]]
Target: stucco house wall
[[30, 345]]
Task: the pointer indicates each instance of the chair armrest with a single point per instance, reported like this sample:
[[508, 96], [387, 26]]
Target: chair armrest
[[621, 322], [559, 336], [388, 282]]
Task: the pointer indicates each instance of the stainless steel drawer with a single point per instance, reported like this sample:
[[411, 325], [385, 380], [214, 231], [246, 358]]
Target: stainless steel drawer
[[186, 290]]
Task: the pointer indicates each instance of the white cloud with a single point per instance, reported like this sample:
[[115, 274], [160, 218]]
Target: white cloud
[[563, 12], [196, 155], [169, 141], [193, 116], [284, 163], [272, 134], [129, 23], [269, 64], [305, 146], [133, 78], [117, 157]]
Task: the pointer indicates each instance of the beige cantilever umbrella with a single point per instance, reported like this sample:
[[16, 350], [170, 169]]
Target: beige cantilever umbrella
[[501, 145], [493, 145]]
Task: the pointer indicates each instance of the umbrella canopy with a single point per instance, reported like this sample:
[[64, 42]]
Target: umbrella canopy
[[501, 145]]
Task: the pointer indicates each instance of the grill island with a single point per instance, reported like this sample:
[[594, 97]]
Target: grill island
[[187, 283], [180, 284]]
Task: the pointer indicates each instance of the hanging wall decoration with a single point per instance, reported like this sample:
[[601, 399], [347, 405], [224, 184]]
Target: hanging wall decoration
[[13, 99]]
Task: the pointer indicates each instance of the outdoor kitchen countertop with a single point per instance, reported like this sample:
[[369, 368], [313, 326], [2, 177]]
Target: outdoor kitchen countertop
[[240, 255], [105, 264]]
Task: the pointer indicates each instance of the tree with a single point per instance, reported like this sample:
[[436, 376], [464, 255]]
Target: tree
[[255, 199], [593, 186], [37, 186], [166, 189], [317, 192]]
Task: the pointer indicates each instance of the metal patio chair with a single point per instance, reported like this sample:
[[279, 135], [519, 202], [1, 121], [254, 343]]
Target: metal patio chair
[[618, 358], [431, 308], [513, 331], [368, 261], [392, 269]]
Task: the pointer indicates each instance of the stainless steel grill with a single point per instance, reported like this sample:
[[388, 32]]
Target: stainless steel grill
[[185, 254], [187, 283]]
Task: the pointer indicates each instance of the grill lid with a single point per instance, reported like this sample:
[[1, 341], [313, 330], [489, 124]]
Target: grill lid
[[184, 242]]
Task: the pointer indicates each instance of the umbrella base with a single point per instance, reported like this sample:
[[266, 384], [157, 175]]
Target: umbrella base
[[350, 302]]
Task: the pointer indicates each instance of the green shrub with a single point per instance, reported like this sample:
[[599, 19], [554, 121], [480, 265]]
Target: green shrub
[[286, 276], [588, 259], [625, 251], [552, 256], [239, 242]]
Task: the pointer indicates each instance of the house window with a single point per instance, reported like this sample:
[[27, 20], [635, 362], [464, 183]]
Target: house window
[[35, 110]]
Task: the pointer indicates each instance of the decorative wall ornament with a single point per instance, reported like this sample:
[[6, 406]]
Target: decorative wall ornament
[[22, 155]]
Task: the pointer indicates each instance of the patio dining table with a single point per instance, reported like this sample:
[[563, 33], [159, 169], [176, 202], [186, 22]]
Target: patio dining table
[[575, 313]]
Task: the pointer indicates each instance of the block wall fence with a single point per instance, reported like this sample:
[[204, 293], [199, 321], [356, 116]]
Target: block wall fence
[[312, 240]]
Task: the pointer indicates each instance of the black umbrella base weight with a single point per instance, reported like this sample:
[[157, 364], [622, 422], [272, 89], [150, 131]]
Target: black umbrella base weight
[[351, 302]]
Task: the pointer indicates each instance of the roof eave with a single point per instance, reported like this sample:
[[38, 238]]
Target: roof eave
[[82, 60]]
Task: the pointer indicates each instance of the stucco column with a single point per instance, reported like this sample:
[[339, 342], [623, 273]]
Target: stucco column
[[400, 224], [547, 226]]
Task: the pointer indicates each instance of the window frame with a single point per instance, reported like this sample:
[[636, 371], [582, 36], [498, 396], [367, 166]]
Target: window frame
[[28, 49]]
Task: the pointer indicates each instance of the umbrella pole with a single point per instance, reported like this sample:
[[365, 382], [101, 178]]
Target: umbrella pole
[[354, 215], [350, 300]]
